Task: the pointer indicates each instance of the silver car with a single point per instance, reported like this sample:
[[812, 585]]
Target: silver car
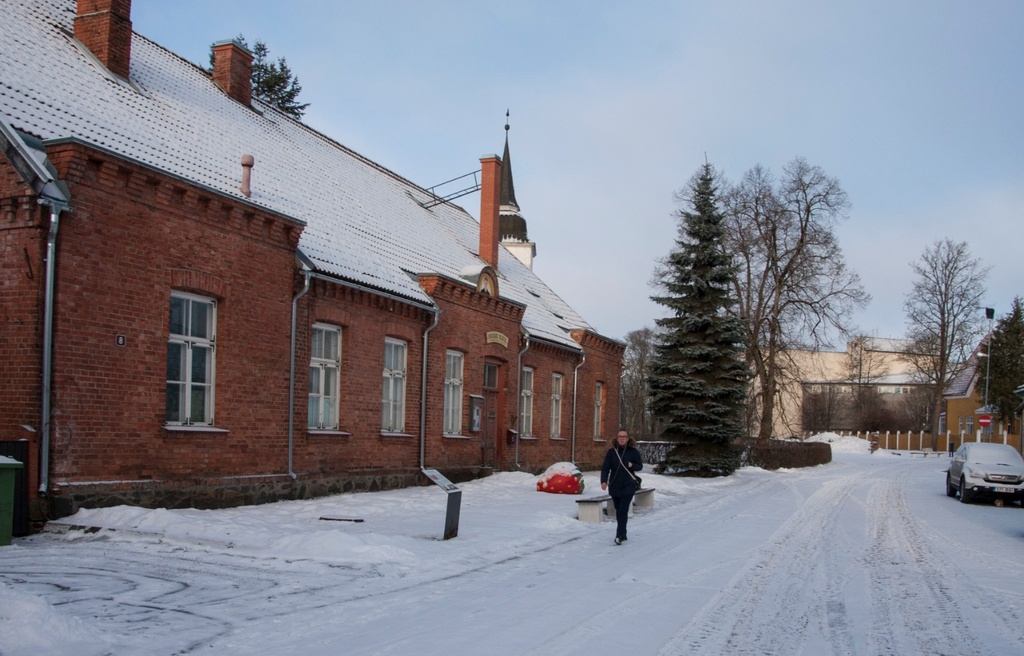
[[986, 470]]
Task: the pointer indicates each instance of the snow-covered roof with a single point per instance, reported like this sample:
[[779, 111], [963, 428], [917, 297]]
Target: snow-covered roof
[[364, 223], [962, 385]]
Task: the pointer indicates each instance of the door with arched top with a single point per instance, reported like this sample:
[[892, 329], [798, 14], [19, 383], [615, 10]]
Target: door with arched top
[[490, 444]]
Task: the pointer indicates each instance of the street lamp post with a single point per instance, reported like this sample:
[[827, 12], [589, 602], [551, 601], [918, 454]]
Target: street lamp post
[[989, 314]]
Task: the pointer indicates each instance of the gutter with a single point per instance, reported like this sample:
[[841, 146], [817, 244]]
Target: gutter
[[28, 157], [575, 392], [375, 292], [423, 390], [47, 378], [519, 393], [307, 274]]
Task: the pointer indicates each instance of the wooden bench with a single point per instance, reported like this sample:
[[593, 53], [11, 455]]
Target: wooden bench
[[593, 509]]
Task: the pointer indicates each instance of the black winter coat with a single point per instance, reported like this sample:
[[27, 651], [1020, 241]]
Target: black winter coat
[[616, 475]]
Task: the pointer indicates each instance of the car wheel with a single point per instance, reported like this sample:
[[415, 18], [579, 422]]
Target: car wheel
[[965, 495], [950, 490]]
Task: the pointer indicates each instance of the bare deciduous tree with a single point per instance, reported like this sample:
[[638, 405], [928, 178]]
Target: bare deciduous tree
[[944, 322], [823, 407], [635, 413], [793, 286]]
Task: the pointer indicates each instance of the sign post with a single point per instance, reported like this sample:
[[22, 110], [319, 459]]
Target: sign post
[[451, 519]]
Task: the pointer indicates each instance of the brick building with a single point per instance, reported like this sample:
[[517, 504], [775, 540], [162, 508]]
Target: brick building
[[208, 303]]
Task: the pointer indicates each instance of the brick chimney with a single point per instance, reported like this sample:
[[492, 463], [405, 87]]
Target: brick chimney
[[490, 199], [105, 28], [232, 70]]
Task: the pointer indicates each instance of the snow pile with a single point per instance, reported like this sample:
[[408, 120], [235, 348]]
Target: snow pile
[[34, 626], [840, 444]]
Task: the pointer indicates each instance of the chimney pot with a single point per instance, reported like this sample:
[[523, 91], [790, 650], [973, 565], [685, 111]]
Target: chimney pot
[[247, 164]]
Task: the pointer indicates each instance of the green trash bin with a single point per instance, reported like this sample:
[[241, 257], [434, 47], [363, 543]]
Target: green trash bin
[[8, 467]]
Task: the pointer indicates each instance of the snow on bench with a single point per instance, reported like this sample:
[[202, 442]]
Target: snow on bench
[[592, 509]]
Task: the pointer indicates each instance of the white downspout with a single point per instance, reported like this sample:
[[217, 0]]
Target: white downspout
[[423, 391], [291, 376], [519, 393], [575, 390]]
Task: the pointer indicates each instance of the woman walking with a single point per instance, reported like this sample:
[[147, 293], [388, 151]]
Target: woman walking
[[618, 479]]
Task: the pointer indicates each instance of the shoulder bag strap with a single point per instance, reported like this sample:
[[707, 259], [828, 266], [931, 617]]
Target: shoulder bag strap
[[628, 470]]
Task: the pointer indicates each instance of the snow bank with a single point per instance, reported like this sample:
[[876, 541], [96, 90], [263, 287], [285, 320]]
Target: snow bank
[[842, 444]]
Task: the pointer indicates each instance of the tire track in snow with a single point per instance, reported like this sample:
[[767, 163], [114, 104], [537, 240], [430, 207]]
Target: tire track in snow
[[912, 598], [772, 604], [707, 506]]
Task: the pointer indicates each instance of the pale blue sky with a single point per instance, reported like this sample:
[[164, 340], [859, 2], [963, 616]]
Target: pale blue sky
[[915, 106]]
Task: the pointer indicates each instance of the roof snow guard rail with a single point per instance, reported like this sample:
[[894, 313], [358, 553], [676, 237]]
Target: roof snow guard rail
[[459, 193]]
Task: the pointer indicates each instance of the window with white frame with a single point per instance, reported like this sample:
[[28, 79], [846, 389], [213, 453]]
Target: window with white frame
[[324, 377], [453, 392], [526, 403], [598, 414], [556, 405], [970, 425], [191, 355], [393, 401]]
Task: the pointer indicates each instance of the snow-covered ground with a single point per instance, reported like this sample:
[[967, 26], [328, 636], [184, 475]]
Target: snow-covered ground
[[865, 555]]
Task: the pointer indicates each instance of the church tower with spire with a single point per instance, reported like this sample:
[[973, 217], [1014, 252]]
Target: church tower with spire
[[511, 224]]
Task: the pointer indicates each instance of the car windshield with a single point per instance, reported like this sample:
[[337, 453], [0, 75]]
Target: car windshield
[[995, 454]]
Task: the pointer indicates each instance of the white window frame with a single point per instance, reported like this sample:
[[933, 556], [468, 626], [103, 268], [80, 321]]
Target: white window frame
[[557, 382], [454, 364], [598, 406], [323, 407], [396, 354], [194, 345], [526, 403]]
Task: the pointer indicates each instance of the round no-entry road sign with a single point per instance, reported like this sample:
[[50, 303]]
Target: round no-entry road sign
[[985, 421]]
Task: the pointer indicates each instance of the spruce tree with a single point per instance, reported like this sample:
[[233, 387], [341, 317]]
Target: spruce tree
[[698, 378], [272, 81], [1006, 365]]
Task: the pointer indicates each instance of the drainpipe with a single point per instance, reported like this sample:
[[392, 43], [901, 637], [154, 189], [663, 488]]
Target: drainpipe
[[307, 274], [575, 390], [51, 267], [519, 392], [423, 391]]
